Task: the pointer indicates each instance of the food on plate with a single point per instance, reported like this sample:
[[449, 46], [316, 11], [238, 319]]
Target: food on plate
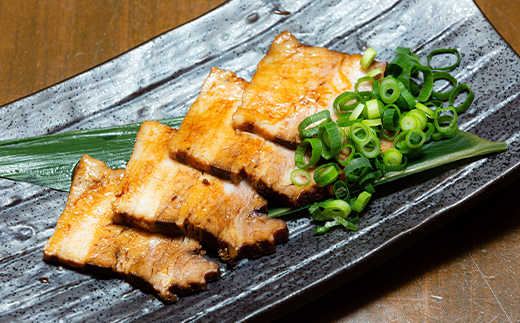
[[86, 238], [162, 195], [292, 82], [397, 111], [207, 141], [281, 137]]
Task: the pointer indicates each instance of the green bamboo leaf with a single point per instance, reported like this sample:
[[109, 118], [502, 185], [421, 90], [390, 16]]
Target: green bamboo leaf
[[49, 160], [435, 153], [441, 152]]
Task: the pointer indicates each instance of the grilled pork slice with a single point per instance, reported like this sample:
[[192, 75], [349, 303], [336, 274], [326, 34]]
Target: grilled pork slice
[[160, 194], [207, 141], [87, 238], [292, 82]]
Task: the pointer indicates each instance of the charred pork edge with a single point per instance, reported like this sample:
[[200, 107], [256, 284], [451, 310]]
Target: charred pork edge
[[224, 249], [137, 281]]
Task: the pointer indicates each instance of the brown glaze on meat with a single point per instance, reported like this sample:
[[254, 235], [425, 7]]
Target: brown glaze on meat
[[292, 82], [206, 140], [160, 194], [87, 238]]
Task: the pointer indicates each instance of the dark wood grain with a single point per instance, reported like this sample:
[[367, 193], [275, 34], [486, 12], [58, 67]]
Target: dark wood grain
[[466, 271], [504, 15], [45, 42]]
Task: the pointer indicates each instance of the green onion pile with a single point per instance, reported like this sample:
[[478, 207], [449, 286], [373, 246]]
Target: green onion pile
[[402, 109]]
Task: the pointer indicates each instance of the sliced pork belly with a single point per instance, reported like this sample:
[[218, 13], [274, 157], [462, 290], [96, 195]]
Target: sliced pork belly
[[87, 238], [292, 82], [160, 194], [207, 141]]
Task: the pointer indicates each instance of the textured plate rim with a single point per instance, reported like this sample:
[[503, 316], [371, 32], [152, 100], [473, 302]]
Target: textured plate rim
[[376, 257]]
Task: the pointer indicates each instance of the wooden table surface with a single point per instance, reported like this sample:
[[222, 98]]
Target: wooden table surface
[[466, 271]]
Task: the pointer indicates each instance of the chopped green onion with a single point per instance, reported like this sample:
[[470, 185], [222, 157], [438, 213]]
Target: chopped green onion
[[452, 132], [409, 122], [354, 220], [391, 168], [368, 57], [415, 138], [421, 115], [392, 157], [363, 80], [389, 90], [409, 101], [372, 108], [331, 136], [372, 122], [391, 117], [326, 174], [326, 227], [360, 133], [370, 148], [341, 191], [346, 223], [316, 207], [320, 116], [327, 210], [431, 129], [425, 109], [427, 85], [338, 208], [414, 88], [400, 142], [352, 179], [344, 162], [376, 71], [316, 149], [376, 89], [355, 138], [300, 177], [344, 123], [340, 103], [317, 213], [361, 201], [444, 122], [356, 165], [367, 179], [443, 51], [444, 76], [469, 99], [401, 66], [357, 111]]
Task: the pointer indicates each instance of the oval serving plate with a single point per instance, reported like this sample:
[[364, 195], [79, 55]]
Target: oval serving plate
[[161, 78]]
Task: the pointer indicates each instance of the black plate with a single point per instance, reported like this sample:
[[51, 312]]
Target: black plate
[[161, 79]]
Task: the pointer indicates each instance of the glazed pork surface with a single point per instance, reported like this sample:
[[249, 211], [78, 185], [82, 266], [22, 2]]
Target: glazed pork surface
[[160, 194], [207, 141], [292, 82], [86, 238]]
